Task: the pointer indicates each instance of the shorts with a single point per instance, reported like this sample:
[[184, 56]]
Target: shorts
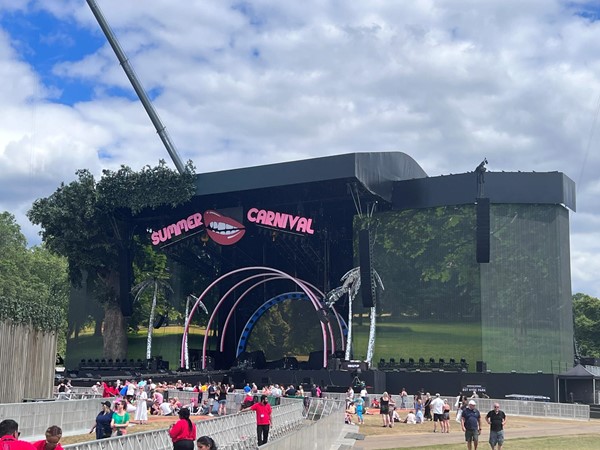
[[446, 416], [222, 402], [496, 438], [471, 435], [438, 417]]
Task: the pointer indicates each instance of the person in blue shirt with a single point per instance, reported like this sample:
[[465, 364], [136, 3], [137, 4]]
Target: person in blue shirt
[[103, 419], [471, 424]]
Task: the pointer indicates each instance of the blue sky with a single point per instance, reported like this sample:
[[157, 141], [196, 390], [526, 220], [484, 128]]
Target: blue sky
[[42, 41], [264, 81]]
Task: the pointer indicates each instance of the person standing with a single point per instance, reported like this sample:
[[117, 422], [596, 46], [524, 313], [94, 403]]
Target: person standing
[[263, 419], [437, 407], [9, 436], [212, 394], [403, 396], [427, 407], [141, 408], [52, 441], [222, 399], [496, 419], [183, 432], [471, 424], [384, 409], [446, 417], [365, 396], [103, 419], [120, 419]]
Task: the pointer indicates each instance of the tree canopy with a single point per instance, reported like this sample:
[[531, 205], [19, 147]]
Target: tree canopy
[[33, 282], [586, 317], [93, 223]]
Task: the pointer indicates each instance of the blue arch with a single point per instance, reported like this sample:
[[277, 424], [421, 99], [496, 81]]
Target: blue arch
[[243, 341]]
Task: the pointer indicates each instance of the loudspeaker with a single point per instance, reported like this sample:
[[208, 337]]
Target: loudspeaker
[[481, 366], [334, 363], [483, 230], [366, 271], [159, 321]]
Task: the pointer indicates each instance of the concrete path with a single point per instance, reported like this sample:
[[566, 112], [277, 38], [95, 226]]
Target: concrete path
[[533, 428]]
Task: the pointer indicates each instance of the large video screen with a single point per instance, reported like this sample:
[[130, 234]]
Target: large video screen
[[513, 313]]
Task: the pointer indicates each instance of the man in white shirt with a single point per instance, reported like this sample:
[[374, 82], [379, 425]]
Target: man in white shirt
[[437, 408], [165, 409]]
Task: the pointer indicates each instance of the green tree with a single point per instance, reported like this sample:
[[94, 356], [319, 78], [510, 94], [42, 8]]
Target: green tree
[[156, 280], [586, 327], [94, 224], [33, 282]]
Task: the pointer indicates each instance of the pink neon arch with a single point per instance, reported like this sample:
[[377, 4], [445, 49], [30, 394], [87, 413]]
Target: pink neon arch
[[240, 298], [311, 297], [307, 291]]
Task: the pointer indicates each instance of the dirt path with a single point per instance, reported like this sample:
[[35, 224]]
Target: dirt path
[[517, 427]]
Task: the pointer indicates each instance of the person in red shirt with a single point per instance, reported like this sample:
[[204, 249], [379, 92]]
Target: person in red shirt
[[52, 441], [263, 418], [183, 432], [9, 436]]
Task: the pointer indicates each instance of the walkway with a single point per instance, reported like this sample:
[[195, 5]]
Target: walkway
[[523, 428]]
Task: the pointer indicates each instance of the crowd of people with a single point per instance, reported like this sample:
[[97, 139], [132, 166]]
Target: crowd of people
[[425, 408], [132, 402]]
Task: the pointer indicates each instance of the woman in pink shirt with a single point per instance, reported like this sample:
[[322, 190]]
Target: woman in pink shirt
[[183, 432]]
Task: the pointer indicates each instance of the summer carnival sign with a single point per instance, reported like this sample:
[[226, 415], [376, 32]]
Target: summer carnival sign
[[225, 230]]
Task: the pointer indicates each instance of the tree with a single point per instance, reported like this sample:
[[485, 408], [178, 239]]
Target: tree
[[33, 282], [157, 279], [93, 224], [586, 318]]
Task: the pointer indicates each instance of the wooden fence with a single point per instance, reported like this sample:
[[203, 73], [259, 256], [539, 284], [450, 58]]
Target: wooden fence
[[27, 359]]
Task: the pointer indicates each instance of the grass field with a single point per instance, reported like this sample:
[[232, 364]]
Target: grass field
[[166, 341], [416, 339], [579, 442]]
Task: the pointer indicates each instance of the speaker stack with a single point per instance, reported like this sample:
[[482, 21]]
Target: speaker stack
[[366, 268], [483, 230]]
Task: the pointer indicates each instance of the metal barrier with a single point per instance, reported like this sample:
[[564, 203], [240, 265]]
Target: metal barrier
[[514, 407], [321, 430], [73, 416], [536, 409], [230, 432]]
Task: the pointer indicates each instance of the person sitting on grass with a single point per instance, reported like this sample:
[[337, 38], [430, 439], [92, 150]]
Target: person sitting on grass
[[411, 418]]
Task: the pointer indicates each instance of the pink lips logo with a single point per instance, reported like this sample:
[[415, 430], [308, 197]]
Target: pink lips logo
[[223, 230]]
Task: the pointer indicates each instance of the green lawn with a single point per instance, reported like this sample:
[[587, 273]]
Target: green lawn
[[166, 342], [581, 442], [415, 339]]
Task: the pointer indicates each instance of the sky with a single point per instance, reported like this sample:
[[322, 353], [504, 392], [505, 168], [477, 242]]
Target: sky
[[245, 83]]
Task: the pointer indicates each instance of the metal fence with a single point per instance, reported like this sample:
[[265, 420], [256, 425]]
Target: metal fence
[[514, 407], [536, 409], [73, 416], [321, 430], [230, 432]]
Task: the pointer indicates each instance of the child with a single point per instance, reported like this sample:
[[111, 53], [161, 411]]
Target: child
[[359, 411]]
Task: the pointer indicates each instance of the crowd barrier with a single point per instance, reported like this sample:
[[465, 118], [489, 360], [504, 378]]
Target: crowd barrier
[[324, 420], [233, 431], [73, 416], [514, 407]]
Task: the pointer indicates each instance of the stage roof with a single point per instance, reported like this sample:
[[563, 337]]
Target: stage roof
[[375, 171]]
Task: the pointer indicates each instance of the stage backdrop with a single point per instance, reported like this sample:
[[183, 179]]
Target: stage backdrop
[[514, 313]]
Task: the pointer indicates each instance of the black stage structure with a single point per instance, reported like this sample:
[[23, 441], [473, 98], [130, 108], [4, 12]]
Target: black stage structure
[[337, 196]]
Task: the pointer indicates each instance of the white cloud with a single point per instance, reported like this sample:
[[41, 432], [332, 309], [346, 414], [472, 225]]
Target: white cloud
[[242, 84]]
